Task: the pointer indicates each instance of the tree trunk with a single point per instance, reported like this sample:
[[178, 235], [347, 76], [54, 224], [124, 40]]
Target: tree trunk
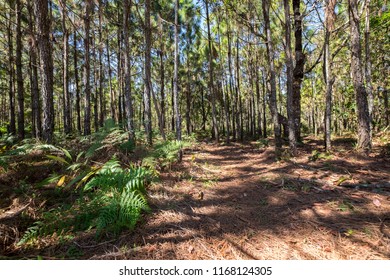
[[87, 66], [112, 94], [19, 74], [46, 67], [175, 78], [298, 69], [148, 83], [101, 73], [188, 85], [35, 108], [239, 119], [368, 65], [127, 69], [11, 74], [329, 79], [211, 76], [289, 69], [364, 139], [65, 63], [272, 95], [76, 80], [162, 76]]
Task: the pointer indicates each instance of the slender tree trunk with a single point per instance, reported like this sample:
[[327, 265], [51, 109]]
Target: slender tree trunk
[[65, 63], [87, 69], [95, 83], [188, 85], [19, 74], [35, 108], [204, 117], [272, 95], [119, 72], [11, 73], [239, 113], [368, 65], [101, 73], [298, 69], [231, 82], [329, 79], [112, 94], [264, 105], [257, 82], [289, 66], [148, 83], [162, 75], [76, 80], [46, 67], [127, 67], [211, 78], [364, 140], [175, 78]]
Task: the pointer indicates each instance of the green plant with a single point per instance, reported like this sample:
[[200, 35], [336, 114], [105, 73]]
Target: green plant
[[316, 155], [262, 143], [112, 199]]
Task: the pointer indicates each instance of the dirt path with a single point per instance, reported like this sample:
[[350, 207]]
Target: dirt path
[[236, 202]]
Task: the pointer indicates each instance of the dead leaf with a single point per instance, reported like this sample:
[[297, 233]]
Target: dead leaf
[[190, 249]]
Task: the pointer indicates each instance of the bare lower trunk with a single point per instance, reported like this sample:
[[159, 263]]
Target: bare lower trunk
[[148, 84], [211, 77], [76, 79], [19, 74], [175, 78], [364, 131], [289, 69], [298, 69], [272, 95], [46, 67], [127, 68], [87, 108], [65, 63], [11, 74], [35, 108], [368, 64]]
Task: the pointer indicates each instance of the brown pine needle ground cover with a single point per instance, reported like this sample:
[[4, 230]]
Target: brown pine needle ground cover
[[236, 202]]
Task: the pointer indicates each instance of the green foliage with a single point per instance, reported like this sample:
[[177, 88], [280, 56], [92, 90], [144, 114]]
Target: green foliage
[[316, 155], [164, 154], [262, 143], [112, 199]]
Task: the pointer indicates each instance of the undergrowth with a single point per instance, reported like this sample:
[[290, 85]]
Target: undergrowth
[[99, 195]]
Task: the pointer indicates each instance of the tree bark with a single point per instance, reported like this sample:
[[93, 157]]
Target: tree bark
[[211, 76], [76, 80], [364, 139], [11, 73], [65, 63], [112, 94], [289, 70], [148, 84], [19, 73], [175, 77], [368, 65], [328, 76], [35, 108], [46, 67], [298, 71], [127, 69], [101, 73], [87, 68], [272, 95]]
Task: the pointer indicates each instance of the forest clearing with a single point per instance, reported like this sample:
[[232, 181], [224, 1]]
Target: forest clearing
[[195, 129]]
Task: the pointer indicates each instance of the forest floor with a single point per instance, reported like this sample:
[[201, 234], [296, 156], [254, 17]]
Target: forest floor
[[236, 202]]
